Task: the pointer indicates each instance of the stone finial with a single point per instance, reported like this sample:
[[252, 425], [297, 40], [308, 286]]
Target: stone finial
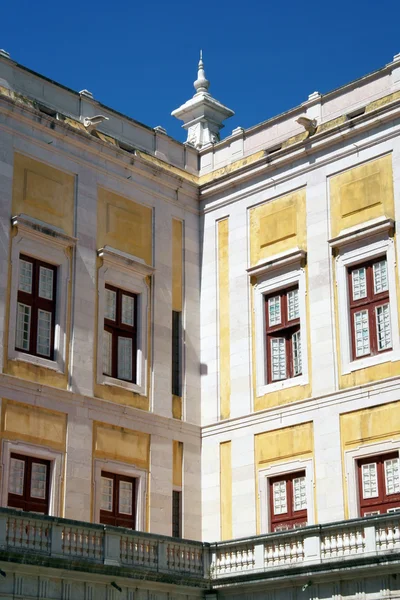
[[201, 84]]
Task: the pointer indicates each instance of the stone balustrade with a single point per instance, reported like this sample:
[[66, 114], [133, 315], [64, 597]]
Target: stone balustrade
[[89, 543]]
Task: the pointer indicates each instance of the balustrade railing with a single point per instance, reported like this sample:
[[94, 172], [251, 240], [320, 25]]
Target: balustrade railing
[[92, 543]]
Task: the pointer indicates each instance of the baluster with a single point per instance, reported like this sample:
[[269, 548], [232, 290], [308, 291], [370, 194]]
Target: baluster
[[359, 541], [352, 542], [383, 538], [389, 536], [334, 544], [396, 535]]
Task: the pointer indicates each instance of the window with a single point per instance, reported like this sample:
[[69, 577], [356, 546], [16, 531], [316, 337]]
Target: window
[[119, 337], [176, 353], [370, 308], [379, 484], [288, 501], [176, 513], [283, 339], [118, 500], [29, 483], [36, 307]]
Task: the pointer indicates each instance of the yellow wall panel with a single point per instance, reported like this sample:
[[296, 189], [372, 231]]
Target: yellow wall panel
[[225, 455], [284, 444], [362, 193], [124, 225], [278, 225], [120, 444], [43, 192], [176, 407], [177, 451], [224, 319], [33, 424], [177, 264]]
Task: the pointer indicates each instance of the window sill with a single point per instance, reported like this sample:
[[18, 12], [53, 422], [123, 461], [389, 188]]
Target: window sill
[[126, 385], [281, 385], [371, 361], [52, 365]]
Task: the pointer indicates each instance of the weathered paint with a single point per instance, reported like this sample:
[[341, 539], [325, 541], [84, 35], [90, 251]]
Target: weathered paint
[[224, 319], [225, 456], [177, 452]]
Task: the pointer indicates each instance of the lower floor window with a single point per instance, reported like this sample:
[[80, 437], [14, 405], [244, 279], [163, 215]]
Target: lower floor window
[[29, 483], [288, 501], [118, 500], [176, 513], [379, 484]]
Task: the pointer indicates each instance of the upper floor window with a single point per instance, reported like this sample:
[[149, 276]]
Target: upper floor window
[[29, 483], [120, 334], [288, 501], [379, 484], [370, 308], [283, 336], [36, 307], [118, 500]]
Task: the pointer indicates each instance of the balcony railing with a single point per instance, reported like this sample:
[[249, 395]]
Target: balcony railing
[[200, 563]]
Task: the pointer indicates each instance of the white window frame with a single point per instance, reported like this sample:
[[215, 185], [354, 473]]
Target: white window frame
[[129, 273], [283, 469], [56, 459], [361, 251], [119, 468], [48, 244], [268, 283], [351, 457]]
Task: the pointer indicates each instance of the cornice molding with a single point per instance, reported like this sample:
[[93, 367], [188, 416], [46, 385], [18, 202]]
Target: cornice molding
[[39, 229]]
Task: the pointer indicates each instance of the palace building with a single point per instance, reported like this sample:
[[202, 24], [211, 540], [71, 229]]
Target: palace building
[[200, 347]]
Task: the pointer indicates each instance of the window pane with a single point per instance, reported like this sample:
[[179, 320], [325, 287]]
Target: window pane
[[274, 311], [380, 277], [43, 332], [369, 481], [293, 305], [299, 493], [16, 482], [392, 476], [125, 497], [106, 494], [38, 480], [23, 326], [111, 305], [128, 305], [383, 328], [361, 329], [278, 358], [359, 280], [279, 497], [46, 283], [296, 351], [107, 353], [25, 276], [125, 358]]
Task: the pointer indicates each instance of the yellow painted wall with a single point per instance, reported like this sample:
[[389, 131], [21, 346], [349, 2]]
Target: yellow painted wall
[[33, 425], [121, 444], [225, 457], [367, 426], [43, 192], [177, 453], [282, 445], [224, 319], [124, 225], [278, 225], [362, 193], [177, 292]]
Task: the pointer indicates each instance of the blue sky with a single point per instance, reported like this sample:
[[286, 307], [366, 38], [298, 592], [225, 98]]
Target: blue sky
[[261, 57]]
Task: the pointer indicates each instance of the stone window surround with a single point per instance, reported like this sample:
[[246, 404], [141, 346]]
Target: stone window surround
[[119, 468], [129, 273], [350, 463], [56, 478], [361, 250], [49, 244], [285, 272], [275, 470]]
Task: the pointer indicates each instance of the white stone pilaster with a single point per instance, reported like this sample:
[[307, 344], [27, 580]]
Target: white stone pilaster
[[161, 485]]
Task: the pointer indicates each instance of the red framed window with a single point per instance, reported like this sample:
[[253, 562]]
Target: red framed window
[[288, 501], [283, 338], [36, 307], [379, 484], [118, 500], [29, 483], [369, 308], [120, 334]]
